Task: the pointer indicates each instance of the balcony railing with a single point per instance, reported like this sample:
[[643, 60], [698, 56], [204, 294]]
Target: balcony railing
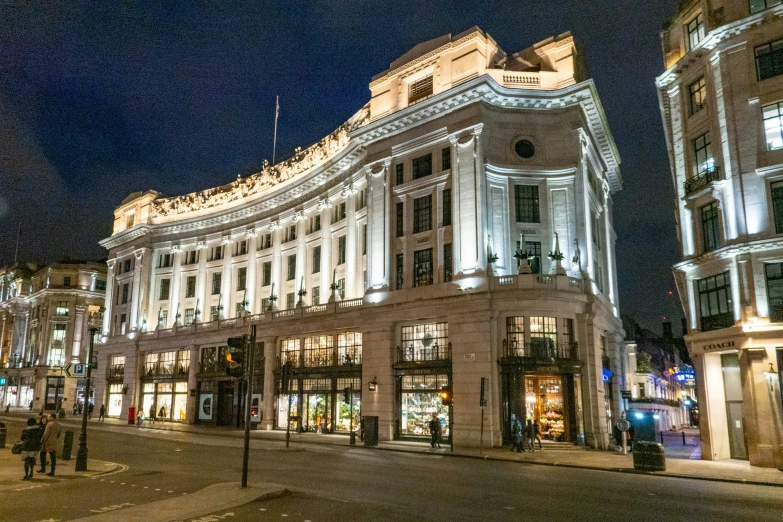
[[116, 372], [541, 349], [419, 354], [318, 359], [166, 370], [701, 180], [213, 366]]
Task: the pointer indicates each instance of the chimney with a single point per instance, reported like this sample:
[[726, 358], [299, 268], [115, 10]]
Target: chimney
[[667, 330]]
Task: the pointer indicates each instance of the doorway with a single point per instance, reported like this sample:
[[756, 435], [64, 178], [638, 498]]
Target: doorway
[[225, 411], [732, 384]]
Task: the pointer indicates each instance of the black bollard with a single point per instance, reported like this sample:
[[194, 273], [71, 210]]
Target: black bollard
[[661, 437], [683, 438]]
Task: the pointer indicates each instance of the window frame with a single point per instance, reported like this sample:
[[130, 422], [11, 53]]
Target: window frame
[[422, 214], [710, 226], [422, 276], [421, 166], [527, 206], [774, 303], [720, 319], [698, 96], [698, 30]]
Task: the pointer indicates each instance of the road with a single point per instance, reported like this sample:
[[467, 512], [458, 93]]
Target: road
[[336, 483]]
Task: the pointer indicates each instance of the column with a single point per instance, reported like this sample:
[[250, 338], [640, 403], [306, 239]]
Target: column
[[277, 261], [326, 248], [252, 266], [352, 283], [137, 290], [174, 296], [226, 290], [270, 361], [108, 302], [201, 284], [3, 355], [78, 334], [301, 253]]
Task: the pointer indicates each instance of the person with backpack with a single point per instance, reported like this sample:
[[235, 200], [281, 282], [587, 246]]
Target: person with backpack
[[31, 445]]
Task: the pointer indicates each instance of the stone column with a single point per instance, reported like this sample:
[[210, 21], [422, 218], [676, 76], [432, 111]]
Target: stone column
[[226, 290], [201, 283], [277, 261], [108, 302], [78, 334], [3, 355], [301, 254], [270, 361], [176, 292], [352, 283], [252, 267], [326, 248], [592, 383], [137, 292]]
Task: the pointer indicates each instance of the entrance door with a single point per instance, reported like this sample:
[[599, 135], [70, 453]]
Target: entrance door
[[225, 412], [732, 384], [318, 412], [55, 386]]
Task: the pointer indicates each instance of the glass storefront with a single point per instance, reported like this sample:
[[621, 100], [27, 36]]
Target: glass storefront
[[544, 403], [167, 400], [115, 400], [344, 406], [420, 400], [551, 400], [55, 388], [324, 408]]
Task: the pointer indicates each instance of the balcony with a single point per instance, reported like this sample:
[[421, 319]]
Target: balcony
[[561, 283], [676, 403], [319, 359], [217, 367], [543, 349], [701, 180], [116, 372], [169, 369], [424, 354]]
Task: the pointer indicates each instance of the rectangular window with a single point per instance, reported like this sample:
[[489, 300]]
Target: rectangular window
[[709, 227], [241, 248], [446, 207], [190, 313], [127, 267], [695, 31], [422, 267], [515, 337], [400, 220], [164, 260], [125, 293], [526, 203], [241, 278], [123, 323], [422, 166], [67, 281], [165, 284], [445, 158], [543, 337], [757, 6], [217, 278], [400, 270], [341, 285], [318, 351], [291, 267], [100, 285], [419, 90], [214, 313], [266, 273], [422, 214], [57, 349], [364, 240], [339, 212], [776, 191], [216, 253], [190, 286], [399, 174], [773, 125], [130, 219], [289, 351], [448, 263], [290, 234], [702, 155], [533, 255], [349, 348], [190, 258], [425, 342], [568, 336], [774, 275], [698, 92], [265, 242], [316, 259], [769, 60], [163, 318], [290, 300], [315, 224], [341, 250], [316, 297], [62, 308], [715, 305]]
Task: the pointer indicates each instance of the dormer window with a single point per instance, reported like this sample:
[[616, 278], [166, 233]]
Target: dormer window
[[130, 219], [419, 90]]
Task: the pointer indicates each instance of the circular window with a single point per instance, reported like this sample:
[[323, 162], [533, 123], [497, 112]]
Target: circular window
[[524, 149]]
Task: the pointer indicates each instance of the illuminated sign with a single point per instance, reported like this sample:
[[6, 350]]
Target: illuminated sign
[[2, 381], [685, 376]]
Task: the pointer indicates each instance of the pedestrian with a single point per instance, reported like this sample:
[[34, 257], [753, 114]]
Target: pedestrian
[[514, 435], [537, 434], [75, 408], [435, 431], [49, 442], [90, 408], [162, 413], [530, 435], [31, 445], [102, 413], [81, 406], [361, 428], [140, 419], [152, 413], [42, 421]]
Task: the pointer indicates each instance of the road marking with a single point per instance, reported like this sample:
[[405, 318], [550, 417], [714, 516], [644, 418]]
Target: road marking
[[170, 492], [157, 489], [112, 507], [262, 509], [213, 518], [31, 487]]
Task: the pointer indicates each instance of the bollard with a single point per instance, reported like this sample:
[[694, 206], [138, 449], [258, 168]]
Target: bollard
[[661, 437], [3, 432], [683, 438], [67, 445]]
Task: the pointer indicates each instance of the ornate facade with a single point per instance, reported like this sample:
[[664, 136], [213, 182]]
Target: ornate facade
[[457, 227], [721, 103]]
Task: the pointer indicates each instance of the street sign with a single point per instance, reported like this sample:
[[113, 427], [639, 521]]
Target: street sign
[[75, 370], [626, 394], [623, 425]]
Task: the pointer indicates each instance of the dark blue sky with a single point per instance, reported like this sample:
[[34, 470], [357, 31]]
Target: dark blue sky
[[101, 100]]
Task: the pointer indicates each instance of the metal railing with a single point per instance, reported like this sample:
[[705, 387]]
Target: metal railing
[[116, 372], [543, 348], [413, 353], [166, 369], [216, 366], [318, 359], [701, 180]]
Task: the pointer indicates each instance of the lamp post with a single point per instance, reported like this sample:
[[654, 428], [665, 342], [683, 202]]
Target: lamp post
[[81, 456]]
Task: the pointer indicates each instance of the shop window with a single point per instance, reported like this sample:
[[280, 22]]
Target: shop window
[[715, 304], [422, 214], [289, 351], [420, 400], [349, 348], [422, 166], [318, 351], [344, 408], [425, 342], [526, 204], [422, 267], [190, 286], [769, 60]]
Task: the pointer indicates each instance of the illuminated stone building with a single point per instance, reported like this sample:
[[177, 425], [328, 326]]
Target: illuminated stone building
[[382, 260], [722, 103]]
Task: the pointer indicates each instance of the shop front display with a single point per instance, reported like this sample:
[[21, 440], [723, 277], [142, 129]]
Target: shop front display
[[165, 400], [420, 400], [55, 389], [549, 400], [115, 400]]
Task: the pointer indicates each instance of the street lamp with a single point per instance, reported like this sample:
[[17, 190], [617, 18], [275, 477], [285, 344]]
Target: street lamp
[[81, 457]]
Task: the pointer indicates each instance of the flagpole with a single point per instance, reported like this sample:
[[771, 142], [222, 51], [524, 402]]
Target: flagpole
[[18, 236], [274, 142]]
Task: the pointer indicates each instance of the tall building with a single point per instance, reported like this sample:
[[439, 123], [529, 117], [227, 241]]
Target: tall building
[[44, 326], [722, 103], [381, 262]]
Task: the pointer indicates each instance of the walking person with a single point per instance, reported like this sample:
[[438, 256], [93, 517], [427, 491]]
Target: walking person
[[31, 445], [140, 419], [162, 413], [49, 442], [152, 413], [42, 426], [435, 431], [530, 435], [102, 413], [537, 434], [90, 409], [75, 408]]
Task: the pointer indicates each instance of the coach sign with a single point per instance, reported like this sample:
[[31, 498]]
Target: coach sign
[[719, 345]]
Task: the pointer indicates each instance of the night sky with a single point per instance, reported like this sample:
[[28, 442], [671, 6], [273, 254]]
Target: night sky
[[97, 102]]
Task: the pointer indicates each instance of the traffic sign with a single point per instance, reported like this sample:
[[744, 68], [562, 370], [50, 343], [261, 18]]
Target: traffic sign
[[626, 394], [75, 370], [623, 425]]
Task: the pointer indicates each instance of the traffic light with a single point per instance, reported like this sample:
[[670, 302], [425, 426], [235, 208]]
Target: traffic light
[[445, 395], [235, 356]]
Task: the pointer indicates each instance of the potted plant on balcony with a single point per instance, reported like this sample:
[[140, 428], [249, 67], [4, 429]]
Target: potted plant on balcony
[[557, 256], [272, 300]]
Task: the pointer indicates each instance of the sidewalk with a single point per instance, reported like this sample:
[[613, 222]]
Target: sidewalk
[[574, 457]]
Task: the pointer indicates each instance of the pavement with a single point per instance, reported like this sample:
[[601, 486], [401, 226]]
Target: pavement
[[681, 466]]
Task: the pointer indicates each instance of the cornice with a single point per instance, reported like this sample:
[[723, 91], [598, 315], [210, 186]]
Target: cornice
[[730, 251]]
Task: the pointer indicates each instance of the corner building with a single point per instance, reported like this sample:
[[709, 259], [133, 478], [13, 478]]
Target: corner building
[[381, 260], [721, 99]]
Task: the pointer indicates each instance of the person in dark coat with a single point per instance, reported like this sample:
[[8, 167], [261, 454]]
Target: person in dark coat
[[530, 435], [42, 425], [31, 445], [90, 407], [435, 431], [102, 413], [537, 434]]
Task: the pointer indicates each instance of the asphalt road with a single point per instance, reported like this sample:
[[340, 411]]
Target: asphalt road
[[334, 483]]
